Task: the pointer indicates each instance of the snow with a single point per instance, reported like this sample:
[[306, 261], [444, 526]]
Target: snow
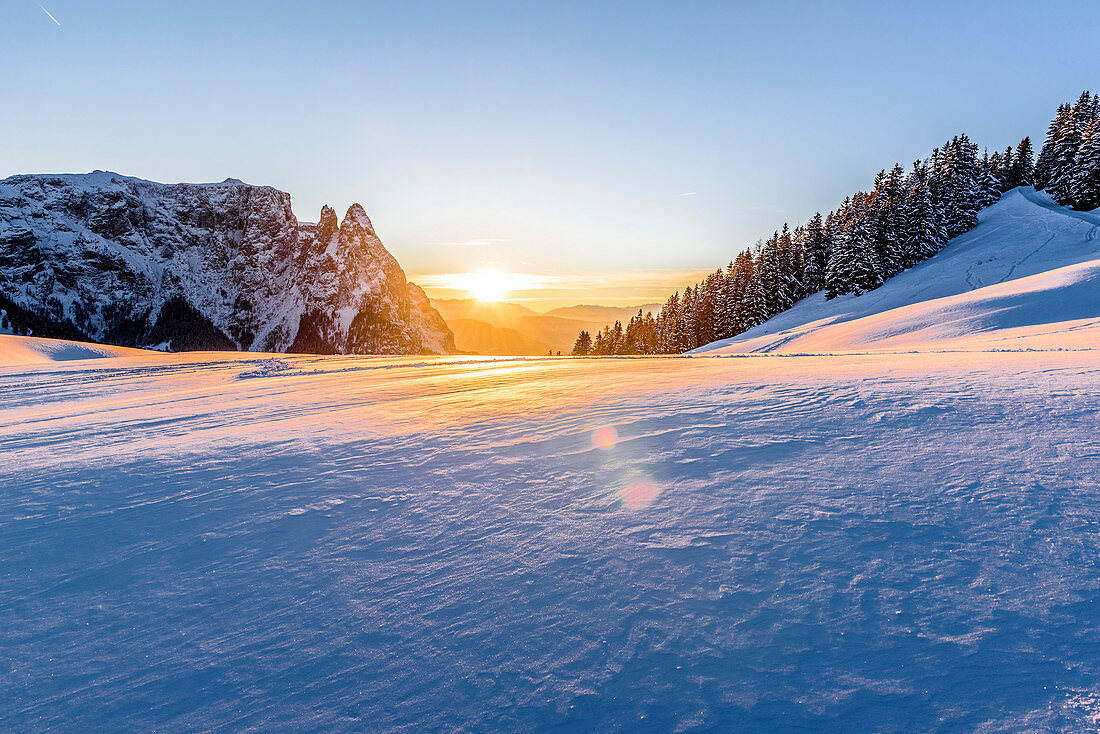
[[898, 533], [856, 542], [21, 351], [1029, 264]]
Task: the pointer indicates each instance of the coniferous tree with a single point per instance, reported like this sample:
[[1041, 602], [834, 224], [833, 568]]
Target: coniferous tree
[[685, 323], [756, 302], [1066, 144], [999, 170], [583, 345], [925, 234], [989, 183], [1022, 170], [1044, 165], [1085, 186], [816, 248]]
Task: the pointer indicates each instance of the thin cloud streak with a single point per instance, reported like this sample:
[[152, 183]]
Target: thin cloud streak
[[566, 289], [55, 20], [471, 243]]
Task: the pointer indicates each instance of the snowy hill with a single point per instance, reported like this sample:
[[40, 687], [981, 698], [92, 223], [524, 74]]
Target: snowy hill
[[29, 350], [226, 265], [1028, 276]]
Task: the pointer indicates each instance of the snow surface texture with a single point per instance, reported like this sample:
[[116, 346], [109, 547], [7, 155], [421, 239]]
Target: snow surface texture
[[1026, 277], [202, 266], [884, 540], [848, 543]]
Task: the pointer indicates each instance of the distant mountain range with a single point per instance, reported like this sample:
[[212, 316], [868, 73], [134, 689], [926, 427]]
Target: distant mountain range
[[510, 328]]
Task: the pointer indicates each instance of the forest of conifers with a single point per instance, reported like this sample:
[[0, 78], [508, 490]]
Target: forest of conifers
[[907, 217]]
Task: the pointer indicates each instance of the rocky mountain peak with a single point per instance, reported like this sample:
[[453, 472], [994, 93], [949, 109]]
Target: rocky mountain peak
[[326, 225], [115, 259], [357, 217]]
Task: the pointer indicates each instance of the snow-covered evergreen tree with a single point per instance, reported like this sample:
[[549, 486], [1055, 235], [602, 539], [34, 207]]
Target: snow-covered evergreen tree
[[815, 245], [1022, 169], [1085, 186], [1044, 165], [989, 183]]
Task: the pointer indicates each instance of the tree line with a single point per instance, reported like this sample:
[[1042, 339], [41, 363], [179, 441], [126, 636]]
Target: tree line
[[907, 217]]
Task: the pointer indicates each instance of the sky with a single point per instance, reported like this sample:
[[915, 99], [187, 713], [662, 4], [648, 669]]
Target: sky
[[603, 152]]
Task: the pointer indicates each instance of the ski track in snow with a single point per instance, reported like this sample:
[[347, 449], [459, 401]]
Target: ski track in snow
[[843, 543]]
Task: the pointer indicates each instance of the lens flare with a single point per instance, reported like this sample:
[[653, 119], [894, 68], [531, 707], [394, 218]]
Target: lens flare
[[640, 492], [605, 438]]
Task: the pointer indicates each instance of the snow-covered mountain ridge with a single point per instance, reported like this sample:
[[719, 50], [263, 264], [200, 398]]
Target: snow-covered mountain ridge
[[1027, 276], [226, 265]]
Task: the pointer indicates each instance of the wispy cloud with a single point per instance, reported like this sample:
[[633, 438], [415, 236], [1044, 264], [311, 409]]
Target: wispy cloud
[[474, 243], [55, 20], [687, 193], [631, 286]]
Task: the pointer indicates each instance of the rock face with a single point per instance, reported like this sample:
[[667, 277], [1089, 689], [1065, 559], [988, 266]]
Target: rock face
[[124, 261]]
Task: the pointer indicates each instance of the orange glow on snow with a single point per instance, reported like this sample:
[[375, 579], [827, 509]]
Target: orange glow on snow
[[640, 492], [605, 438]]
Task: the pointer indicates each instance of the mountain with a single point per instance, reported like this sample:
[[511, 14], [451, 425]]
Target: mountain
[[501, 323], [489, 339], [121, 260], [1027, 277]]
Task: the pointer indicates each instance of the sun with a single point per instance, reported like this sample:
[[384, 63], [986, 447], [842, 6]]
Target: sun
[[489, 285]]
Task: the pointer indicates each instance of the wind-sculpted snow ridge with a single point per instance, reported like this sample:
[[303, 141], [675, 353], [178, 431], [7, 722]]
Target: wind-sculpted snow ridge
[[124, 261], [1027, 276], [902, 542]]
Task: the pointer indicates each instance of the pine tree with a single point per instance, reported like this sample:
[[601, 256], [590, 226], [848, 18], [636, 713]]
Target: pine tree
[[1044, 165], [817, 254], [1071, 126], [956, 175], [989, 184], [685, 324], [925, 234], [756, 304], [583, 345], [786, 276], [863, 269], [1085, 186], [998, 170], [888, 222], [1022, 170]]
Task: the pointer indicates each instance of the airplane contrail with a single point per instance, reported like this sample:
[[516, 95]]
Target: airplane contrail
[[55, 20]]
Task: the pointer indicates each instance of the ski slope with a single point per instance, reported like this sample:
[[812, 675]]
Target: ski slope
[[1027, 277], [241, 542]]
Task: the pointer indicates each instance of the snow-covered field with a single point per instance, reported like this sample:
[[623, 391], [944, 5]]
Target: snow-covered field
[[885, 536], [866, 542]]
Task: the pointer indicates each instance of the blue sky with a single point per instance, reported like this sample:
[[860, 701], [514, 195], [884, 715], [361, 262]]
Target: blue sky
[[640, 140]]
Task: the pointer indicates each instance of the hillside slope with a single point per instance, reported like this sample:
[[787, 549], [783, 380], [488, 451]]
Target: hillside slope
[[1027, 276]]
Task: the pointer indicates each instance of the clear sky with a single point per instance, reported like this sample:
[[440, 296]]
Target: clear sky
[[608, 150]]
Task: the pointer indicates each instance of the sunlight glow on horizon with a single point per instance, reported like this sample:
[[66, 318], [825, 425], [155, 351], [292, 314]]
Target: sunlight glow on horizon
[[544, 291], [488, 285]]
